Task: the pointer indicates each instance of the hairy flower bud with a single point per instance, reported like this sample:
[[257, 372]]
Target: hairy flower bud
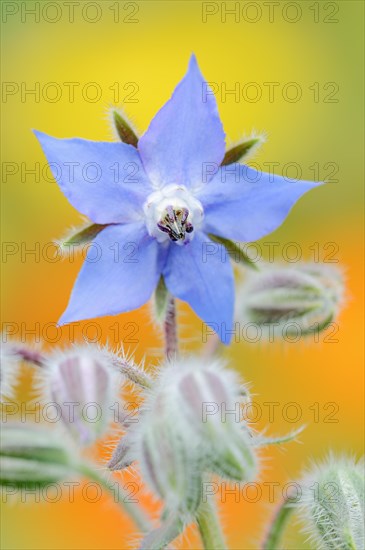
[[190, 426], [33, 456], [332, 509], [291, 301], [9, 369], [83, 385]]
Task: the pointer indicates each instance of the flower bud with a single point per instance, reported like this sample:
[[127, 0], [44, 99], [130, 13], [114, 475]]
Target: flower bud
[[190, 426], [291, 301], [83, 385], [168, 465], [332, 508], [32, 456]]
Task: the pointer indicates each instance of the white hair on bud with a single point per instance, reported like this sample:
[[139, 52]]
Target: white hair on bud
[[189, 426], [282, 299], [332, 505], [9, 368], [84, 376]]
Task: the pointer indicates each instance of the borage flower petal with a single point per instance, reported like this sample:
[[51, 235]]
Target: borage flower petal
[[104, 181], [202, 275], [184, 135], [120, 272], [243, 204]]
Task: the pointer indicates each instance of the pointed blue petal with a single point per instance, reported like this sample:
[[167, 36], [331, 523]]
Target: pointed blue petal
[[201, 274], [103, 180], [121, 270], [243, 204], [185, 134]]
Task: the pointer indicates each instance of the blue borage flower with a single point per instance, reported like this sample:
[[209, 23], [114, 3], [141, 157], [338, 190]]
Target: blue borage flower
[[165, 196]]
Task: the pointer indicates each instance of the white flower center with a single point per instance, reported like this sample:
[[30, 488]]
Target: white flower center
[[172, 213]]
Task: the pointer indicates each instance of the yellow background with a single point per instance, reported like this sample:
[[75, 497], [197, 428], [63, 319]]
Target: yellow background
[[153, 53]]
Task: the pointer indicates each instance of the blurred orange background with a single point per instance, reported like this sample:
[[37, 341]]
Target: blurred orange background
[[139, 51]]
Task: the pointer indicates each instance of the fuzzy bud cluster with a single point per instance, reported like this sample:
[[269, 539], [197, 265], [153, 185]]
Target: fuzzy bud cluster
[[188, 429]]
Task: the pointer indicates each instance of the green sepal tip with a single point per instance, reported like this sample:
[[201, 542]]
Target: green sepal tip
[[83, 236], [235, 251], [124, 130], [161, 302], [242, 150]]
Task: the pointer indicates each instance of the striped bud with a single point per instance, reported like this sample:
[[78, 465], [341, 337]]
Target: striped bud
[[332, 508], [33, 456], [291, 301], [190, 426], [83, 385]]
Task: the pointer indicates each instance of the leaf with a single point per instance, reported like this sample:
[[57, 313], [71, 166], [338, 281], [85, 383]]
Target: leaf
[[236, 251], [242, 150], [124, 130]]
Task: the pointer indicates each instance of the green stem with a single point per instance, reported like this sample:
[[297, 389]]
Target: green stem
[[131, 508], [209, 526], [235, 250], [277, 527]]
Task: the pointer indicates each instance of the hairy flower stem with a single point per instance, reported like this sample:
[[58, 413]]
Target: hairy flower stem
[[276, 529], [170, 330], [119, 496], [209, 526], [158, 539]]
